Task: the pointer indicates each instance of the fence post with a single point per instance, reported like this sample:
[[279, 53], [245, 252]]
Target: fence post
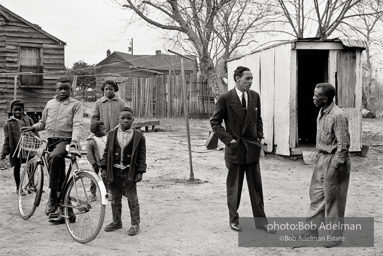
[[186, 106]]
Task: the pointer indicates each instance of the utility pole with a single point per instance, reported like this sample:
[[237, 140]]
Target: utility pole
[[186, 108], [131, 46]]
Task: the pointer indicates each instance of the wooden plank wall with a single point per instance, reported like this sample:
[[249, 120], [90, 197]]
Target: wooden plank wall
[[282, 111], [162, 95], [359, 79], [267, 99], [354, 116], [15, 34], [346, 79], [293, 131]]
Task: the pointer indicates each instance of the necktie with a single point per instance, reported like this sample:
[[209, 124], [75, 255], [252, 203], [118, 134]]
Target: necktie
[[243, 101]]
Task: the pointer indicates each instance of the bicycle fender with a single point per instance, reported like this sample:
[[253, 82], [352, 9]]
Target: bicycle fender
[[104, 200]]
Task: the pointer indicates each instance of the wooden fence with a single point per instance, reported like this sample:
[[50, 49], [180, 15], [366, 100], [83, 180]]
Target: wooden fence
[[162, 96]]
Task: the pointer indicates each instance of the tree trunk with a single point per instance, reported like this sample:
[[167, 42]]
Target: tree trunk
[[209, 75]]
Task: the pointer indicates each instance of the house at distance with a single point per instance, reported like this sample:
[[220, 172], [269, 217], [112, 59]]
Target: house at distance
[[285, 76], [151, 84], [25, 47]]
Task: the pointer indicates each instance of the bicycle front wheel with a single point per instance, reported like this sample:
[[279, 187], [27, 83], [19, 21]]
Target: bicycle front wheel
[[30, 190], [83, 207]]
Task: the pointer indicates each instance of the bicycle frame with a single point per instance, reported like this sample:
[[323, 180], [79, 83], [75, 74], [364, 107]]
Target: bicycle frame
[[72, 173]]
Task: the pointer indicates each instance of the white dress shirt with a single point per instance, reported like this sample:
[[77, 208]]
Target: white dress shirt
[[239, 93]]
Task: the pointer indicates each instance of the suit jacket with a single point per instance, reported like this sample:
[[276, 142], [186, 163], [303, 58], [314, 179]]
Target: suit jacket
[[138, 157], [246, 129]]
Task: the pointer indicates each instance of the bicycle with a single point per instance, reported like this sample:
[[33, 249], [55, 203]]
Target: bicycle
[[83, 214]]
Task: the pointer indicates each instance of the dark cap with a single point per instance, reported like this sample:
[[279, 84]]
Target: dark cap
[[17, 103]]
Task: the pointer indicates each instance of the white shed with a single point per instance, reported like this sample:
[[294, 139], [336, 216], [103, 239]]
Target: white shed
[[285, 76]]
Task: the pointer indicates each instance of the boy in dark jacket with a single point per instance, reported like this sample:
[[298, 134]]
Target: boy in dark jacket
[[123, 164], [12, 132]]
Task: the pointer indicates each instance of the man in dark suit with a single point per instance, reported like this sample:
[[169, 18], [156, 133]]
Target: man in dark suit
[[240, 108]]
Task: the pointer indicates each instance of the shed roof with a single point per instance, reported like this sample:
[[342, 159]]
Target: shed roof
[[6, 12], [349, 43], [154, 62]]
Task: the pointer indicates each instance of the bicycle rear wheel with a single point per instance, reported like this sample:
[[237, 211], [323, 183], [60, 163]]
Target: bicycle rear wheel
[[30, 190], [83, 208]]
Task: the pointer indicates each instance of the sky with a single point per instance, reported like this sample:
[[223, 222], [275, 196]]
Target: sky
[[89, 27]]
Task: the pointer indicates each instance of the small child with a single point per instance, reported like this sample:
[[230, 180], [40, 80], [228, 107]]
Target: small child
[[123, 164], [12, 133], [95, 150]]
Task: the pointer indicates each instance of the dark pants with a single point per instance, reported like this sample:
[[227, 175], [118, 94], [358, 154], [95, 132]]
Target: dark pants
[[328, 191], [56, 163], [234, 184], [16, 174], [116, 188]]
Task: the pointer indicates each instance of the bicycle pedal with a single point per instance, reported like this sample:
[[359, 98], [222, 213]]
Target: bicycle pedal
[[53, 215]]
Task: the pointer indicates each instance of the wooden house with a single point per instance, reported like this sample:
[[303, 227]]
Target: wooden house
[[151, 84], [29, 51], [285, 75]]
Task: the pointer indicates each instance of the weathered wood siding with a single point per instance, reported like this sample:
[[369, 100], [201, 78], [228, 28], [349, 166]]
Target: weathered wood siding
[[162, 95], [14, 35], [358, 79], [346, 79], [282, 113], [354, 116], [267, 98], [293, 105]]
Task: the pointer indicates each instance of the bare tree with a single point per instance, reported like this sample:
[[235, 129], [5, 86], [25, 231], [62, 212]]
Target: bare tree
[[212, 29], [326, 15], [237, 26]]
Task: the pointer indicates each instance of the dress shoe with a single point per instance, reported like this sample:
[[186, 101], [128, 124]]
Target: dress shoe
[[112, 227], [235, 227], [51, 205], [266, 229], [133, 230]]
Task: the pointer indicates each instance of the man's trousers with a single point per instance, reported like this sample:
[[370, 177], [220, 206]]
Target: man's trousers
[[234, 184], [328, 191]]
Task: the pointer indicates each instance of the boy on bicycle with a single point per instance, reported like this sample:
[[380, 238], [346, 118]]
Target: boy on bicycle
[[62, 118], [123, 163]]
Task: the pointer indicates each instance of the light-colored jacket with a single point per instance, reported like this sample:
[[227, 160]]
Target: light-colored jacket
[[92, 151], [107, 111], [62, 119]]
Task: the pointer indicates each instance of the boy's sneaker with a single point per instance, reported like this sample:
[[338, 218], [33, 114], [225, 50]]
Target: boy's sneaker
[[134, 229], [112, 227]]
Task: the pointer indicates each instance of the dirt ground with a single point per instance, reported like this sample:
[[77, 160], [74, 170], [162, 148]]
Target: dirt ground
[[182, 218]]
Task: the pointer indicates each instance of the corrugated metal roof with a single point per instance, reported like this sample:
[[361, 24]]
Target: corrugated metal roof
[[161, 62], [353, 43]]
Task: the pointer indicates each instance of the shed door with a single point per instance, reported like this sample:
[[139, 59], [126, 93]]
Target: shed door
[[346, 79], [348, 93]]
